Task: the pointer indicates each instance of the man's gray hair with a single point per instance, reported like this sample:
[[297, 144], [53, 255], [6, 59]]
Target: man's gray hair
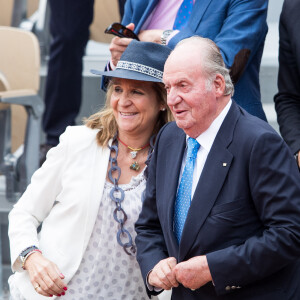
[[211, 61]]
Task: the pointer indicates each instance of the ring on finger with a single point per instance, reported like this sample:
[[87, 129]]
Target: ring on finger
[[37, 286]]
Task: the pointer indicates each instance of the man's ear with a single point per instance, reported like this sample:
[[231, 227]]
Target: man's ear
[[219, 85]]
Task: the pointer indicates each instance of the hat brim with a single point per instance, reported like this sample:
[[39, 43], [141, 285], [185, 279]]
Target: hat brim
[[127, 74]]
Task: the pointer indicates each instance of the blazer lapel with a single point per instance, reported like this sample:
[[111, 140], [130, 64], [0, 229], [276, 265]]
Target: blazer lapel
[[199, 9], [98, 175], [148, 10], [210, 183], [175, 161]]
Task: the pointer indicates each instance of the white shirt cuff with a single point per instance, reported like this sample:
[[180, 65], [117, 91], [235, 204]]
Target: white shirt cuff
[[111, 66], [150, 287]]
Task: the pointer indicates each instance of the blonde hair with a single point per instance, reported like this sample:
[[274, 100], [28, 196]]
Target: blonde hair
[[105, 121]]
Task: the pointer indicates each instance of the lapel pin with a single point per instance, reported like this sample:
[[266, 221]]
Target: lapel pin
[[224, 164]]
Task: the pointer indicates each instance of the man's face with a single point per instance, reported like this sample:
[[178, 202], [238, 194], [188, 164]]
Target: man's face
[[191, 99]]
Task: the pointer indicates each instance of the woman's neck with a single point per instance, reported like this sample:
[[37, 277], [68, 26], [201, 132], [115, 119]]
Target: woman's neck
[[131, 161], [134, 142]]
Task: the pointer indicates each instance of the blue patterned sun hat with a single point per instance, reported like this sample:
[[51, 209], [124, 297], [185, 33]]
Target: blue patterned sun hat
[[140, 61]]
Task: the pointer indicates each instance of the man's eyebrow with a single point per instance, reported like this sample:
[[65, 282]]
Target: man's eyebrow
[[179, 80]]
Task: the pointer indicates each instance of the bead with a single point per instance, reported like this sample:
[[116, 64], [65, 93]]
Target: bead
[[135, 166]]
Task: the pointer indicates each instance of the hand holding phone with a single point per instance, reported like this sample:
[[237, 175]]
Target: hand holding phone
[[121, 31]]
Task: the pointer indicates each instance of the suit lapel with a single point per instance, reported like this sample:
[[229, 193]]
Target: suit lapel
[[97, 185], [148, 10], [210, 183], [178, 145], [199, 9]]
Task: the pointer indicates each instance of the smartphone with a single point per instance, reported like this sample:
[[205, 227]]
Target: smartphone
[[121, 31]]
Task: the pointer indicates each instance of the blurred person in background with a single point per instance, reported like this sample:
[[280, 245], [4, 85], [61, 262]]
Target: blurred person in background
[[238, 28], [287, 100]]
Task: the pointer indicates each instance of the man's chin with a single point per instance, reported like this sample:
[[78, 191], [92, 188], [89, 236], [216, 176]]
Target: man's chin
[[189, 129], [181, 124]]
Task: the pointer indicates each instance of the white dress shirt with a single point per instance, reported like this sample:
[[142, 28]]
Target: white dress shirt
[[206, 140]]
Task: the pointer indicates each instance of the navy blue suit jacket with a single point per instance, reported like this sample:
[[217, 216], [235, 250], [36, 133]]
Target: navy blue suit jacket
[[287, 100], [233, 25], [244, 216]]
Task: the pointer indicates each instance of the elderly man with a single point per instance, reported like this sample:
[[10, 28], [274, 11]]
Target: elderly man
[[220, 219]]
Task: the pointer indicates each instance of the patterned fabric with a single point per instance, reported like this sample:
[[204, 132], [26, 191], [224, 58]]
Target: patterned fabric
[[183, 14], [183, 199], [127, 65], [106, 272]]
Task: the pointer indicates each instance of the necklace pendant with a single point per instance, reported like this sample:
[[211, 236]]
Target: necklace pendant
[[133, 154], [135, 166]]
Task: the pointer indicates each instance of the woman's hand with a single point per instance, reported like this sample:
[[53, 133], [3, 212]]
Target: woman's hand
[[45, 276]]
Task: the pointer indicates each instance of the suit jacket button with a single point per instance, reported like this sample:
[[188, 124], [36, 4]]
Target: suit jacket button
[[228, 288]]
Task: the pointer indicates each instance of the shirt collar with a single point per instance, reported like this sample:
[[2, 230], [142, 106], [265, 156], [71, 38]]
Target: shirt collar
[[206, 139]]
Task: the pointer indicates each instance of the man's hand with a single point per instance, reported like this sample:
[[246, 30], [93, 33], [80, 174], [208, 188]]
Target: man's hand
[[162, 275], [118, 46], [151, 35], [193, 273]]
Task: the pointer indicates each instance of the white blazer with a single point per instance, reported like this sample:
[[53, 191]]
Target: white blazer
[[65, 195]]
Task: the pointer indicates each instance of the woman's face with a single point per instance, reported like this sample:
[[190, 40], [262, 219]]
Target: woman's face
[[136, 107]]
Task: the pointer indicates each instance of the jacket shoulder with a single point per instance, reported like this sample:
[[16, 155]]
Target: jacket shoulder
[[79, 136], [81, 132], [253, 125], [170, 130]]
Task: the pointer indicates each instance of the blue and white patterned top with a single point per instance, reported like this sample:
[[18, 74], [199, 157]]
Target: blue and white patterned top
[[106, 272]]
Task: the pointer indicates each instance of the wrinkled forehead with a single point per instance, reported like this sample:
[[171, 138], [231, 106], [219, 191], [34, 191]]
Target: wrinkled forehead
[[178, 67], [184, 56]]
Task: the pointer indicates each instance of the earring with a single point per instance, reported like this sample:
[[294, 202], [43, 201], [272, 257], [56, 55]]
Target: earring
[[163, 109]]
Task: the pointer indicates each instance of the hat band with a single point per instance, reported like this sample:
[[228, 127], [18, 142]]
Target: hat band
[[131, 66]]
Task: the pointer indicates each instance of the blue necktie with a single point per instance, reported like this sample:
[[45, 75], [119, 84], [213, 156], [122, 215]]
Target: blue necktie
[[183, 198], [183, 14]]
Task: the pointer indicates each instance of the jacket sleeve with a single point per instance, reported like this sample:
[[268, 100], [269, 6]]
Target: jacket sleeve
[[150, 242], [275, 191], [36, 202], [287, 100]]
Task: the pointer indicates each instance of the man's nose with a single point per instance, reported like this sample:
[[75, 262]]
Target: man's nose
[[172, 97]]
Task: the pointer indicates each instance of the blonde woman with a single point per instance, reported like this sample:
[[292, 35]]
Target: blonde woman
[[87, 195]]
